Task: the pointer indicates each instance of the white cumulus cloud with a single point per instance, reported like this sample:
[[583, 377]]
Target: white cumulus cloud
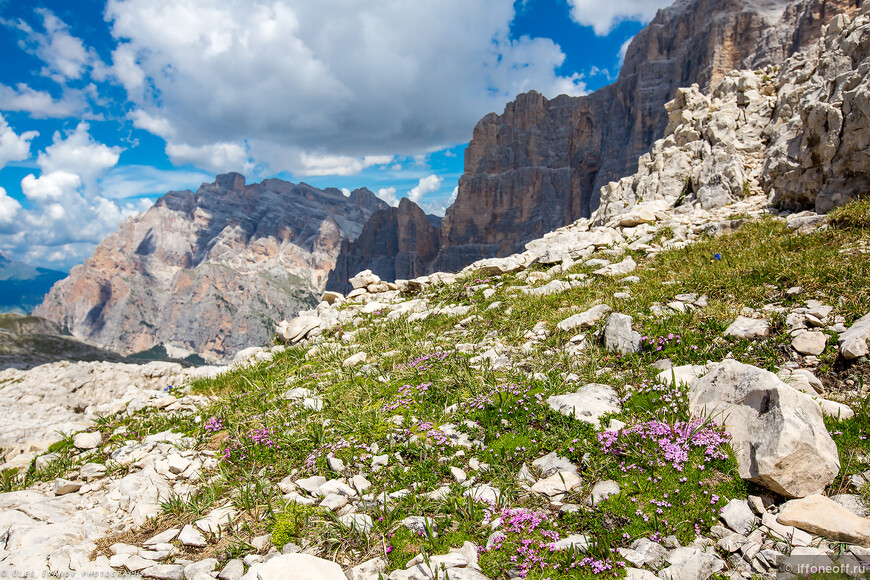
[[321, 88], [388, 194], [427, 185], [13, 147], [604, 16], [54, 185], [9, 209], [78, 153]]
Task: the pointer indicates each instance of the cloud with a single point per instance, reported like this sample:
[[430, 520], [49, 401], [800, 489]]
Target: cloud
[[78, 153], [135, 181], [54, 185], [40, 104], [13, 147], [338, 164], [604, 17], [426, 186], [65, 56], [388, 194], [623, 50], [66, 215], [216, 157], [9, 209], [318, 88], [154, 125]]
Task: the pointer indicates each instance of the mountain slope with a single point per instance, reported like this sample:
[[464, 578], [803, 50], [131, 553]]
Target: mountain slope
[[211, 271], [22, 286]]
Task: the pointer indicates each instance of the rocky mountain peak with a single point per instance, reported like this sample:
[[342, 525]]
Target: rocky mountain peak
[[541, 163], [234, 255]]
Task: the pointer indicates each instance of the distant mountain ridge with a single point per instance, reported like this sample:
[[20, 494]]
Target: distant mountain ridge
[[212, 271], [23, 286], [541, 163]]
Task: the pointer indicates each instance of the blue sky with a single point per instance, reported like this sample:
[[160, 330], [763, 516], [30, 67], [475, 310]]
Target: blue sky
[[107, 104]]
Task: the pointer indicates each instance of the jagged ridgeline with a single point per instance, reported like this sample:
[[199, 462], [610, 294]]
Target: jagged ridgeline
[[209, 272], [541, 163]]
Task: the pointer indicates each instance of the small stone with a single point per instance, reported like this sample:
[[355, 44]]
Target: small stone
[[234, 570], [810, 342], [458, 474], [418, 524], [359, 522], [311, 484], [335, 464], [207, 566], [738, 516], [65, 486], [619, 336], [334, 502], [354, 360], [822, 516], [601, 491], [87, 440], [368, 570], [558, 483], [190, 536], [748, 328], [164, 572], [360, 483], [163, 537]]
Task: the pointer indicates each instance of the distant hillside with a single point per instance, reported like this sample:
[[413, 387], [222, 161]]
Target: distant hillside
[[30, 341], [22, 286]]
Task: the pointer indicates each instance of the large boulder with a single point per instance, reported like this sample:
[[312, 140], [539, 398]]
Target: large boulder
[[778, 434]]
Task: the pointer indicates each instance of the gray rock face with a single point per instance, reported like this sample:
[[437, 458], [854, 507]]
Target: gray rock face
[[619, 336], [541, 163], [796, 134], [210, 271], [778, 433]]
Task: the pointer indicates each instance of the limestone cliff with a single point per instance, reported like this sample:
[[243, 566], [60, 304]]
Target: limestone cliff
[[395, 243], [211, 271], [541, 163]]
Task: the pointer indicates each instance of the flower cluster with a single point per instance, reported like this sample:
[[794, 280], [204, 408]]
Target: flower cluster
[[527, 539], [425, 362], [408, 395], [214, 425], [659, 342], [674, 442]]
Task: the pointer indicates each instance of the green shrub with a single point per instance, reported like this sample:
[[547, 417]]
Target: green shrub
[[291, 524]]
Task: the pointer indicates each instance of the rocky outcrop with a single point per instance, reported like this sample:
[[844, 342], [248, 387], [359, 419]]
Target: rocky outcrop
[[540, 164], [211, 271], [793, 133], [55, 399], [395, 243]]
